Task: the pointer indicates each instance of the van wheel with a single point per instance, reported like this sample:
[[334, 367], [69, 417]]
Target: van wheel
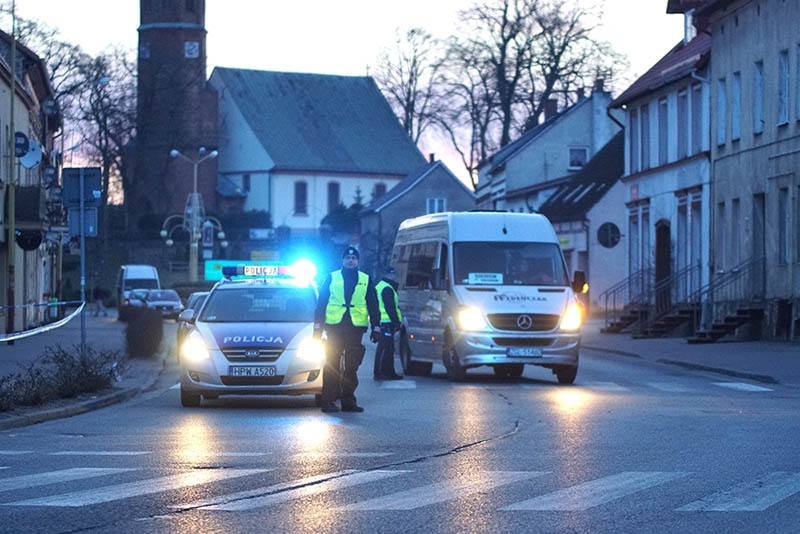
[[410, 367], [189, 400], [566, 374], [455, 371], [509, 370]]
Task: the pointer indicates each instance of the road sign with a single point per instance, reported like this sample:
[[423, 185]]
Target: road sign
[[92, 188], [89, 222]]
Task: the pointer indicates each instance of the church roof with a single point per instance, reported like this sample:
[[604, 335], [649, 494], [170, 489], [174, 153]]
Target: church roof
[[322, 123]]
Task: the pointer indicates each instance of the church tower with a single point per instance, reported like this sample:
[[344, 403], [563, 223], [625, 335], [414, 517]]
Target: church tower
[[176, 109]]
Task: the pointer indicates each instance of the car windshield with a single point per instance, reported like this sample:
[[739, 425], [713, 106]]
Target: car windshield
[[167, 294], [521, 264], [144, 283], [260, 305]]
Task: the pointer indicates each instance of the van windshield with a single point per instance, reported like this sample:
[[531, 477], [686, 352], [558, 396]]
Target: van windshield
[[140, 283], [518, 264]]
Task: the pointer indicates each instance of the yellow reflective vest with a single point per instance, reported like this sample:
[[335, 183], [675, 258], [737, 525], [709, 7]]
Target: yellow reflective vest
[[358, 302], [384, 314]]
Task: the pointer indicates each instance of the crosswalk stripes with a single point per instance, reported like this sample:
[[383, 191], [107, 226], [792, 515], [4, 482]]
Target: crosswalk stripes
[[606, 386], [669, 387], [399, 384], [596, 492], [14, 453], [443, 491], [99, 453], [56, 477], [301, 488], [138, 488], [751, 496], [741, 386], [341, 454]]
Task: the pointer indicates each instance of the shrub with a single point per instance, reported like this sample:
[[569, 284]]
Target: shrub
[[144, 332]]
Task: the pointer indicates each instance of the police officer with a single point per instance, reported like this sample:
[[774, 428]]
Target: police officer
[[347, 306], [391, 317]]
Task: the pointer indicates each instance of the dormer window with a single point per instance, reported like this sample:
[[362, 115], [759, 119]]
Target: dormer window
[[578, 157]]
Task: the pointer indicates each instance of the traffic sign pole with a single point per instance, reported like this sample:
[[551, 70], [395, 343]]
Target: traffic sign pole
[[82, 237]]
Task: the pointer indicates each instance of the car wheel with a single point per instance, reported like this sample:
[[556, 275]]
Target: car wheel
[[189, 400], [318, 400], [411, 367], [509, 370], [566, 374], [452, 364]]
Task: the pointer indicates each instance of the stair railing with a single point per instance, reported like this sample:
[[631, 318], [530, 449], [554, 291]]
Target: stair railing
[[669, 294], [626, 291], [744, 282]]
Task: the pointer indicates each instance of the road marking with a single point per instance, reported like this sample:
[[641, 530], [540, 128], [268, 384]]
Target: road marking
[[443, 491], [100, 453], [752, 496], [138, 488], [670, 387], [239, 453], [342, 454], [176, 386], [56, 477], [399, 384], [606, 386], [299, 488], [11, 453], [741, 386], [596, 492]]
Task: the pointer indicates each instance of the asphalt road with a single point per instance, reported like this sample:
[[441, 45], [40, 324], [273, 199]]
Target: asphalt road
[[632, 447]]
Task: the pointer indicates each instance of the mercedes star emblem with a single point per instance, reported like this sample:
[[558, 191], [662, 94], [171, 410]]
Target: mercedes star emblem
[[524, 322]]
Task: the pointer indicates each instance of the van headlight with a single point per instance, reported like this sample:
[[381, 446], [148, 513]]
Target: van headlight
[[471, 318], [194, 348], [572, 317], [312, 350]]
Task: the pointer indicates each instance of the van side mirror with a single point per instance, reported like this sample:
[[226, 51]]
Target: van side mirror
[[578, 282]]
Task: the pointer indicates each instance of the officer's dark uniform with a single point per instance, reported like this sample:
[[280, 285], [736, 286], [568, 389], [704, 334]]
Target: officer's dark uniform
[[391, 317], [347, 306]]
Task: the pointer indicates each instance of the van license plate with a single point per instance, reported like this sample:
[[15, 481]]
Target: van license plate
[[252, 370], [530, 352]]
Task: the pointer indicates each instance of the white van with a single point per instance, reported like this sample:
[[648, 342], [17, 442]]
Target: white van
[[486, 288], [135, 277]]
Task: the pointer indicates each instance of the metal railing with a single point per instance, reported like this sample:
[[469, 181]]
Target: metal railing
[[629, 290], [669, 294]]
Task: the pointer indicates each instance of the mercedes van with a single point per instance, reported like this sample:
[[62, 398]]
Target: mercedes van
[[135, 277], [486, 288]]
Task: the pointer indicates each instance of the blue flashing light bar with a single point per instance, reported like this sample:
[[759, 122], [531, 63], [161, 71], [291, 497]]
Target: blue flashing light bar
[[302, 270]]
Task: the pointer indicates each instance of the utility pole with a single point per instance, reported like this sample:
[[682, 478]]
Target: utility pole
[[11, 216]]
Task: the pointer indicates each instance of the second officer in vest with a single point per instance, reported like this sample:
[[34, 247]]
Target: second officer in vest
[[347, 306], [391, 318]]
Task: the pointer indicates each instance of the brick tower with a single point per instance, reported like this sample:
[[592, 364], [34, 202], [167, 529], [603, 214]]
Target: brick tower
[[176, 109]]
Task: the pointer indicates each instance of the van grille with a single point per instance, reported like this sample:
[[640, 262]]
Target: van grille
[[252, 355], [510, 321]]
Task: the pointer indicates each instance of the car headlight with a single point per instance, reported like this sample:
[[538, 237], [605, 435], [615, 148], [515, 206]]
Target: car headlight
[[311, 350], [572, 317], [471, 318], [194, 349]]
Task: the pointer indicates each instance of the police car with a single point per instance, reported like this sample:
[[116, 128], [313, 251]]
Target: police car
[[253, 335]]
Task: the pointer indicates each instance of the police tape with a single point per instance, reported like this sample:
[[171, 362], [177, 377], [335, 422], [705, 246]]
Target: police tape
[[45, 328]]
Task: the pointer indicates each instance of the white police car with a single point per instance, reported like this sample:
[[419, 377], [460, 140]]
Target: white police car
[[253, 335]]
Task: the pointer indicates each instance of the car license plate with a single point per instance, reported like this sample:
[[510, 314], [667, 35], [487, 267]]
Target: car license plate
[[530, 352], [252, 370]]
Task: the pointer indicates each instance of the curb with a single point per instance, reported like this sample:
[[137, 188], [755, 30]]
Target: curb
[[613, 351], [102, 401]]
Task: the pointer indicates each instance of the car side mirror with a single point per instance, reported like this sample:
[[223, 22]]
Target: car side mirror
[[579, 282], [187, 316]]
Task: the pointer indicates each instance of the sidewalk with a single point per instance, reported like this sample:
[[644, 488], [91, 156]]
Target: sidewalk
[[101, 333], [771, 362]]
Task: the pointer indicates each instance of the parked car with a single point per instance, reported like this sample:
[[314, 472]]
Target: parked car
[[166, 301], [137, 298], [194, 302]]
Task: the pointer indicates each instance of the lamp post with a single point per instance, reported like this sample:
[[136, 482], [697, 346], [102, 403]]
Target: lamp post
[[194, 213]]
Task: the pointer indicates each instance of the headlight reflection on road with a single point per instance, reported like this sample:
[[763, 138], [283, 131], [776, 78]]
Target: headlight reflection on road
[[572, 400], [195, 441], [312, 435]]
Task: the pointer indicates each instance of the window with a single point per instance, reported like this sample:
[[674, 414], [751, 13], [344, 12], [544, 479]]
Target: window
[[645, 125], [378, 191], [697, 119], [422, 257], [633, 232], [736, 106], [435, 205], [663, 131], [683, 124], [334, 197], [758, 97], [577, 157], [783, 87], [797, 89], [300, 198], [191, 5], [634, 140], [783, 226], [722, 111], [246, 183], [735, 232], [721, 238]]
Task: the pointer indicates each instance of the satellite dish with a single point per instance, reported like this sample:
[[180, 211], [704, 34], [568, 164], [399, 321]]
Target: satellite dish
[[33, 157]]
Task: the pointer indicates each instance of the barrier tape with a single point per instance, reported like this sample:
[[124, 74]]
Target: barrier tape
[[41, 329]]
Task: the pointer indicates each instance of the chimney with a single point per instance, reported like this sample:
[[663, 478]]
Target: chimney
[[599, 85], [581, 92], [431, 157], [550, 108]]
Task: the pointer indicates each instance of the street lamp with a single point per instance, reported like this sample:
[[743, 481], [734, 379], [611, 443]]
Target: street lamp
[[194, 213]]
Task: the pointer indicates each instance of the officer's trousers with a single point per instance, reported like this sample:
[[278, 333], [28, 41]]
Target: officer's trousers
[[344, 353], [384, 353]]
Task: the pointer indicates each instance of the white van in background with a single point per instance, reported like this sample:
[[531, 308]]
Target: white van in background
[[135, 277], [486, 288]]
